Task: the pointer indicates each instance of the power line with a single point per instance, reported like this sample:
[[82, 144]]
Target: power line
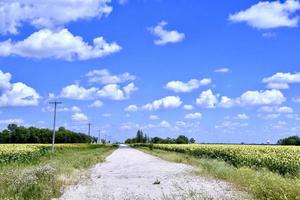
[[55, 103]]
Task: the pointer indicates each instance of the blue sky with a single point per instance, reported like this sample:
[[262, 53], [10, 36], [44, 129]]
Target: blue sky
[[225, 72]]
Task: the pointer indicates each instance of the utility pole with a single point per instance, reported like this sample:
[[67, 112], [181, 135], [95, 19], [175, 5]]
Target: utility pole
[[55, 103], [89, 128], [99, 138]]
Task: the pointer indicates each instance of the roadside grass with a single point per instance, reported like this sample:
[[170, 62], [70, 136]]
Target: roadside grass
[[260, 184], [46, 177]]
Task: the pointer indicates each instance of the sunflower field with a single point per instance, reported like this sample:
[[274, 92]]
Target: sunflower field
[[281, 159]]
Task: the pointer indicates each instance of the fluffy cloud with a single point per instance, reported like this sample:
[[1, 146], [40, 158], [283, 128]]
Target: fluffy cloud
[[164, 36], [265, 15], [75, 109], [12, 121], [281, 80], [267, 97], [103, 76], [229, 125], [164, 103], [48, 13], [16, 94], [165, 124], [96, 104], [153, 117], [276, 109], [222, 70], [195, 115], [242, 116], [59, 45], [188, 107], [179, 86], [77, 92], [79, 117], [131, 108], [207, 99], [114, 92]]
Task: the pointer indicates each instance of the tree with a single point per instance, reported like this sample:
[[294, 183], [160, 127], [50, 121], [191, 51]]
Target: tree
[[293, 140], [192, 141], [181, 139]]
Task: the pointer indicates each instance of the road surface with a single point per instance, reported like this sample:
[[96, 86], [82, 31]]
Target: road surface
[[129, 174]]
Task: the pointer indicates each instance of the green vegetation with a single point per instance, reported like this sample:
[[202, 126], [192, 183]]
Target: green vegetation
[[259, 183], [293, 140], [44, 177], [282, 159], [141, 138], [20, 134]]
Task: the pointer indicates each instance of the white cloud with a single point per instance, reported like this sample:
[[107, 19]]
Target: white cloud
[[297, 100], [267, 97], [195, 115], [106, 115], [12, 121], [207, 99], [75, 109], [281, 80], [269, 116], [79, 117], [153, 117], [231, 125], [275, 109], [48, 13], [16, 94], [5, 80], [165, 124], [179, 86], [59, 45], [188, 107], [164, 36], [285, 109], [164, 103], [77, 92], [222, 70], [114, 92], [250, 98], [131, 108], [103, 76], [96, 104], [242, 116], [265, 15], [227, 102]]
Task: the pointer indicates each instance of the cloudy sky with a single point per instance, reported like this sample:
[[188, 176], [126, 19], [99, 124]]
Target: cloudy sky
[[218, 72]]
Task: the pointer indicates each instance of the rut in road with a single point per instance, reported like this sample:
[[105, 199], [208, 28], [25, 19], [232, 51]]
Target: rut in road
[[130, 174]]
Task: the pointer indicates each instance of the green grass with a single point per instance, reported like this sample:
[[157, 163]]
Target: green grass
[[45, 178], [260, 184]]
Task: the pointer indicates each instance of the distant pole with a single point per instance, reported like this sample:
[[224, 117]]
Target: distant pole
[[55, 103], [89, 129], [99, 138]]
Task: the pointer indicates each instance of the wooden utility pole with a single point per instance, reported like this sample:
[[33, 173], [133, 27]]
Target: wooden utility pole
[[55, 103]]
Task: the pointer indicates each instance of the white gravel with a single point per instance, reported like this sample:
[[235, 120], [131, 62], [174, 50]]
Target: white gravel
[[129, 174]]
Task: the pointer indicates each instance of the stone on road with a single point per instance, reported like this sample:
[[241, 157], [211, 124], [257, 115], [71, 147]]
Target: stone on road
[[129, 174]]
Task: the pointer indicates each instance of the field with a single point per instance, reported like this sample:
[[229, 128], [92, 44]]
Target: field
[[265, 172], [282, 159], [28, 152], [31, 171]]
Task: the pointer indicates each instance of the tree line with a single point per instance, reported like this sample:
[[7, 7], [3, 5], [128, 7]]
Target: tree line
[[21, 134], [143, 138], [293, 140]]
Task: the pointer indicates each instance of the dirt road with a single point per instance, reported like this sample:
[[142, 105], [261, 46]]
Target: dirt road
[[131, 174]]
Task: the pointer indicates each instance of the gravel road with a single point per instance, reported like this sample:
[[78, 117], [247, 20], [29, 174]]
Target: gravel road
[[129, 174]]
